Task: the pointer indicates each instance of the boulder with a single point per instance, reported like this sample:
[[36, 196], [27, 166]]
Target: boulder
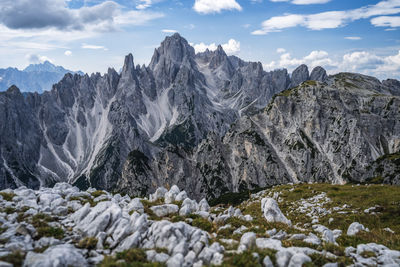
[[165, 210], [356, 227], [60, 255], [271, 211], [247, 241]]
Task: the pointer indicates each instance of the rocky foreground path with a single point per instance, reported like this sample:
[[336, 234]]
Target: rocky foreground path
[[291, 225]]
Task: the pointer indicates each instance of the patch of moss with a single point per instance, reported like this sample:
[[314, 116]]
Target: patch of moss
[[50, 231], [88, 243], [368, 254], [98, 193], [245, 259], [130, 258], [203, 224], [7, 196], [15, 258]]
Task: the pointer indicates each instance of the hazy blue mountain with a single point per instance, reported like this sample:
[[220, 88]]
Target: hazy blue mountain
[[34, 78]]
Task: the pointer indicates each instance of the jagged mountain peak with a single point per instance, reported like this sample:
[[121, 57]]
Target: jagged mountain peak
[[13, 90], [174, 48], [129, 65], [318, 74]]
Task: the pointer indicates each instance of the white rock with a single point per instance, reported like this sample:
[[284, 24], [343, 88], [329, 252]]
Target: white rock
[[328, 236], [283, 258], [312, 239], [247, 241], [204, 206], [176, 260], [387, 229], [161, 257], [217, 259], [248, 218], [159, 194], [60, 255], [267, 262], [263, 243], [100, 218], [5, 264], [356, 227], [190, 258], [271, 211], [165, 210], [298, 259], [135, 205], [181, 196]]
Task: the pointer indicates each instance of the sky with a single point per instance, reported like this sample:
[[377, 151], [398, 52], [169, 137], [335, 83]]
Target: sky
[[91, 35]]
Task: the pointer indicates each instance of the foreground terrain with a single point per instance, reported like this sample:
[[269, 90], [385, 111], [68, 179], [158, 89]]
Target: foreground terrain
[[314, 225]]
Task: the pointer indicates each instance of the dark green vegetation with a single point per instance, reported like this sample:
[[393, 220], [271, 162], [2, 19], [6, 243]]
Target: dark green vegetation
[[130, 258], [88, 243]]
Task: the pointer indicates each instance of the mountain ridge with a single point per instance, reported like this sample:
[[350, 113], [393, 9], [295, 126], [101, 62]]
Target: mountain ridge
[[34, 78], [160, 116]]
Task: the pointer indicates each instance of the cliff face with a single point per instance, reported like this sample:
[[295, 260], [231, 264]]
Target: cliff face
[[316, 132]]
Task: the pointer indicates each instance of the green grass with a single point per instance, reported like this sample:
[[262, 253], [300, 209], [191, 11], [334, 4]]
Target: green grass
[[15, 258], [7, 196], [88, 243], [359, 198], [203, 224], [130, 258], [98, 193], [50, 231]]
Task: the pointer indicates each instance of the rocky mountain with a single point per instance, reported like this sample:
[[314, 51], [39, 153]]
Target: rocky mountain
[[34, 78], [208, 122], [334, 131]]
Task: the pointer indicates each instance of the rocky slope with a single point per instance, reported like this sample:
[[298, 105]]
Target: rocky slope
[[282, 226], [34, 78], [83, 130], [344, 129]]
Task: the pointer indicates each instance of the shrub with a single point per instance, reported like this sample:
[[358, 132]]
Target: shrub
[[88, 243]]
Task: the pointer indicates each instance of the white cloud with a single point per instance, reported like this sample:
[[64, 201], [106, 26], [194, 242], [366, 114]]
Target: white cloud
[[232, 47], [143, 4], [215, 6], [190, 26], [36, 58], [280, 50], [333, 19], [303, 2], [315, 58], [309, 2], [94, 47], [369, 63], [386, 21], [353, 38], [169, 31], [68, 53], [276, 24]]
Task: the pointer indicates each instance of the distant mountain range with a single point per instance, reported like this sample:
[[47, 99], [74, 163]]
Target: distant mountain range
[[34, 78]]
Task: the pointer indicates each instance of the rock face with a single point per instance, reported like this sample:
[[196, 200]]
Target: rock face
[[315, 132], [201, 121], [271, 211]]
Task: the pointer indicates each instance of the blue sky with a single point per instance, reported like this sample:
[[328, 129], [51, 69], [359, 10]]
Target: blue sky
[[92, 35]]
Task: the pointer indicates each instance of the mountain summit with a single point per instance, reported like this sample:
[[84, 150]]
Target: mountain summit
[[34, 78], [208, 122]]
